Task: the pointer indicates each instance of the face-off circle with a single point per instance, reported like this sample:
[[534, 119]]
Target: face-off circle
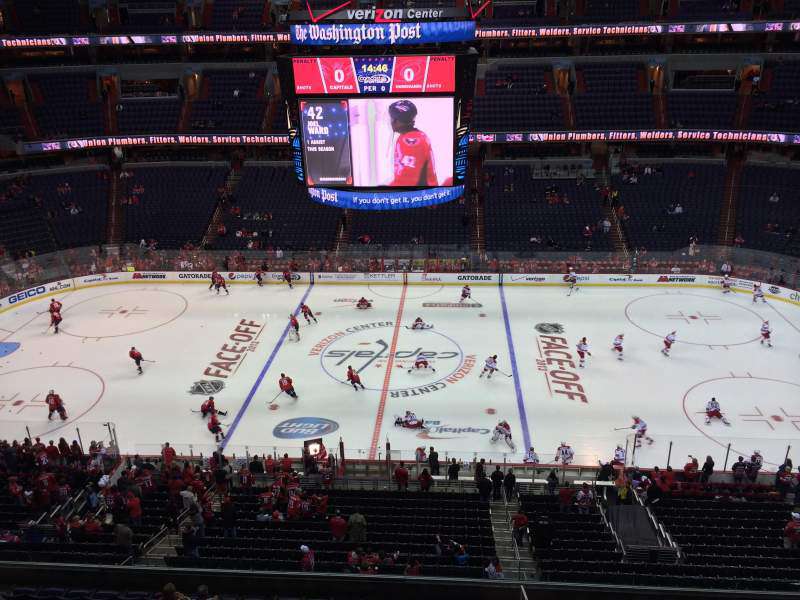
[[699, 320], [121, 313], [367, 351], [763, 414], [22, 400]]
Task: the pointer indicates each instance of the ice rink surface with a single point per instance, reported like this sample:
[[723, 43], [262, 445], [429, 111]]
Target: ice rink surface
[[235, 348]]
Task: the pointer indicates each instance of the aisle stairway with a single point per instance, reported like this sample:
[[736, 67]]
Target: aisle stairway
[[516, 564]]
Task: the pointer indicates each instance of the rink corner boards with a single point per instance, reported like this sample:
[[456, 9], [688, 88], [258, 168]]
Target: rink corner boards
[[65, 286]]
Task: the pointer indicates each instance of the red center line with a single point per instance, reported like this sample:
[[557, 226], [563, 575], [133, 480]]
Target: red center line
[[376, 431]]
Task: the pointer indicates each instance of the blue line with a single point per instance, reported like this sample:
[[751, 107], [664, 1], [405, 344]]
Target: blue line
[[264, 370], [526, 436]]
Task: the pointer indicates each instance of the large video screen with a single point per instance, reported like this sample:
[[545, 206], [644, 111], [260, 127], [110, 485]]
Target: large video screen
[[354, 75], [377, 142]]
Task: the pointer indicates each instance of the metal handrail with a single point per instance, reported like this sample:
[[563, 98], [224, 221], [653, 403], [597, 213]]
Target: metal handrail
[[603, 513]]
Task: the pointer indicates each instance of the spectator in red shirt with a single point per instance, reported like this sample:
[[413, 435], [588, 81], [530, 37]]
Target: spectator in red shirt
[[134, 509], [413, 568], [401, 477], [519, 524], [168, 454], [286, 463], [425, 480], [269, 466], [690, 470], [338, 527], [53, 453]]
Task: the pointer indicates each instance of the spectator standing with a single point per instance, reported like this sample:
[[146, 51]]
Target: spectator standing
[[739, 468], [485, 488], [552, 482], [510, 483], [401, 477], [189, 541], [497, 482], [707, 470], [123, 537], [134, 509], [228, 513], [413, 567], [690, 470], [256, 466], [452, 470], [519, 526], [338, 527], [725, 269], [357, 527], [425, 480], [167, 453], [433, 461]]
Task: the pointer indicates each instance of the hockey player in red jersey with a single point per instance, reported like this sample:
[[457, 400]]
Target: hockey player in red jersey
[[307, 313], [55, 319], [55, 404], [363, 303], [286, 385], [214, 275], [413, 154], [421, 364], [55, 306], [259, 277], [295, 327], [208, 407], [218, 281], [214, 426], [287, 277], [136, 356], [354, 378]]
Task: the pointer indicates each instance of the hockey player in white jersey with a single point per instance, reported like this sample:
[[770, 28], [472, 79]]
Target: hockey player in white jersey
[[668, 341], [713, 411], [489, 366], [564, 454], [619, 456], [572, 281], [503, 430], [618, 342], [466, 294], [640, 431], [726, 285], [766, 332], [758, 294], [583, 349], [531, 457]]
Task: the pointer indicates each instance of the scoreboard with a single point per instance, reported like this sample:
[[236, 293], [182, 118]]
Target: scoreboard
[[380, 132], [356, 75]]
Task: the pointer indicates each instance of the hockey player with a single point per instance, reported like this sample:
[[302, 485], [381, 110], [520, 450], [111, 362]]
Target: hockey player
[[531, 457], [726, 285], [287, 277], [55, 306], [214, 275], [765, 334], [758, 293], [260, 277], [294, 326], [215, 427], [503, 430], [55, 319], [713, 411], [421, 364], [419, 324], [363, 303], [307, 313], [489, 366], [354, 378], [466, 294], [219, 282], [618, 341], [137, 358], [582, 349], [668, 341], [619, 456], [285, 383], [409, 421], [55, 404], [640, 431], [564, 454], [208, 407], [572, 281]]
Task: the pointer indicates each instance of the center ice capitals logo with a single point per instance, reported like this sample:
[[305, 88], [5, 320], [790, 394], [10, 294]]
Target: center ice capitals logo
[[549, 328], [206, 388], [366, 348]]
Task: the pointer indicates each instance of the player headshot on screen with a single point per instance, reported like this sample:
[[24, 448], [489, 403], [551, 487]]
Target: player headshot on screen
[[413, 155]]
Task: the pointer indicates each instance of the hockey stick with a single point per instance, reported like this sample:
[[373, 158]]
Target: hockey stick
[[275, 398], [146, 360], [620, 428], [224, 413], [501, 373], [420, 328]]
